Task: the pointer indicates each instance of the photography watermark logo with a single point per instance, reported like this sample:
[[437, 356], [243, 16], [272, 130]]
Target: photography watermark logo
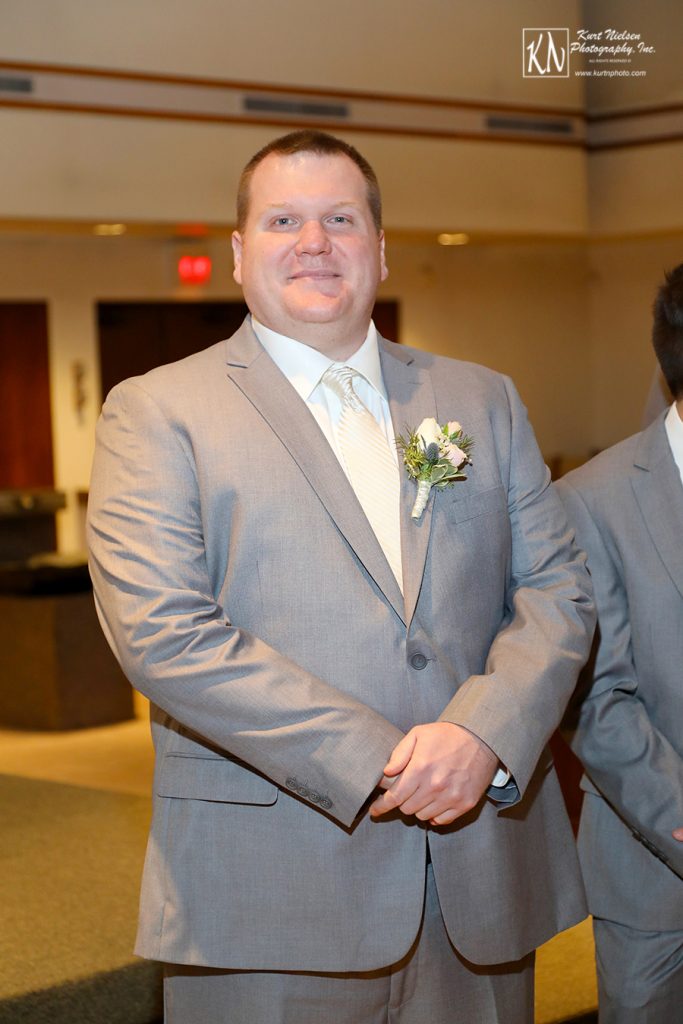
[[545, 52], [600, 53]]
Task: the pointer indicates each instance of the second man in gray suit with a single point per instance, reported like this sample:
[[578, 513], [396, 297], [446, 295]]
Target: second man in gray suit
[[627, 508]]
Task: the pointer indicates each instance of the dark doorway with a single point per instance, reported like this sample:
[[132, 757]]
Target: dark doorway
[[137, 336], [25, 422]]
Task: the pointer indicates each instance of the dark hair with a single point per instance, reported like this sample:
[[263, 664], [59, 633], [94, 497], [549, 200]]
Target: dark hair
[[667, 330], [309, 141]]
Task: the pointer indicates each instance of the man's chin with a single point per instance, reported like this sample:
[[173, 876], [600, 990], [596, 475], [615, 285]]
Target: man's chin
[[318, 312]]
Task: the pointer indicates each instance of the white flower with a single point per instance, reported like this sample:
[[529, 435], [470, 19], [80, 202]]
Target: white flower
[[452, 427], [429, 432]]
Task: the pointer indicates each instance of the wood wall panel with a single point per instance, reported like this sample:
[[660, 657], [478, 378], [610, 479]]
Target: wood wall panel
[[25, 421], [137, 336]]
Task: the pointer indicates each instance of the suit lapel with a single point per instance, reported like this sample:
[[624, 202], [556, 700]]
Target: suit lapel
[[657, 487], [262, 383], [411, 399]]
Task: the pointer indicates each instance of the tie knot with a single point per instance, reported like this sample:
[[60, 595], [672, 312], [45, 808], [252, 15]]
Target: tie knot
[[340, 380]]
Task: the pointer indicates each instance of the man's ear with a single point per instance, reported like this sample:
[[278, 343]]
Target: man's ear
[[383, 269], [237, 256]]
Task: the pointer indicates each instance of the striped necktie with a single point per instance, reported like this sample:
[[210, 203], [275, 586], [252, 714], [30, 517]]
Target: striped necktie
[[370, 466]]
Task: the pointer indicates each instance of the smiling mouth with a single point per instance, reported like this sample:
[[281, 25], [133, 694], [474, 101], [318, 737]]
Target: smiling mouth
[[316, 275]]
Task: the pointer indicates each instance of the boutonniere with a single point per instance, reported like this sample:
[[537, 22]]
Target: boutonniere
[[434, 456]]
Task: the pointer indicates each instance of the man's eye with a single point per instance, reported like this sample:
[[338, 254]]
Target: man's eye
[[283, 221], [340, 218]]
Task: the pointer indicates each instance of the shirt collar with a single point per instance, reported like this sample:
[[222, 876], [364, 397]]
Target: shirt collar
[[674, 431], [303, 366]]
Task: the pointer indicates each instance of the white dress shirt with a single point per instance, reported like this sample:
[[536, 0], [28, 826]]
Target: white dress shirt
[[304, 367], [674, 432]]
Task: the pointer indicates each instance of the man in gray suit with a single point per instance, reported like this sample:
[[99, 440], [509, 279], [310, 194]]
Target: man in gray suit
[[356, 818], [627, 507]]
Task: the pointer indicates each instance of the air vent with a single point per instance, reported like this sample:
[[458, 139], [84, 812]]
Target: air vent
[[15, 84], [306, 108], [51, 87], [529, 124]]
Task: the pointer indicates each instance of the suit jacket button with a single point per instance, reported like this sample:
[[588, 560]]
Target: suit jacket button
[[418, 661]]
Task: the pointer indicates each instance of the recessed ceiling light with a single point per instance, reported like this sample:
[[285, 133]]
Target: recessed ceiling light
[[110, 229], [457, 238]]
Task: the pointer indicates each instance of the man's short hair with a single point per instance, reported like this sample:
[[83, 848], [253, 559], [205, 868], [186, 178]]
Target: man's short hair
[[667, 330], [309, 141]]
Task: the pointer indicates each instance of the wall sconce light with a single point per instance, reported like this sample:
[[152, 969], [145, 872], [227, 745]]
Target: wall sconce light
[[80, 396]]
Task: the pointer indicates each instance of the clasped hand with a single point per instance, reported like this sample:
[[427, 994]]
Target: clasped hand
[[437, 773]]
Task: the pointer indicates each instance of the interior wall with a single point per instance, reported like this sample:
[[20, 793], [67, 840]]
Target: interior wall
[[570, 321], [636, 190], [82, 166], [623, 280], [496, 304], [520, 309], [449, 48], [72, 275], [660, 26], [87, 166]]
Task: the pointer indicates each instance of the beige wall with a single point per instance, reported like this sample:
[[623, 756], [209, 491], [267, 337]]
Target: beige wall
[[496, 305], [660, 24], [71, 275], [636, 190], [109, 168], [569, 321], [86, 166], [520, 309], [623, 280], [451, 48]]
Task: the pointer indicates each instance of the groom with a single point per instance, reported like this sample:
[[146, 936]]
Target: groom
[[356, 818]]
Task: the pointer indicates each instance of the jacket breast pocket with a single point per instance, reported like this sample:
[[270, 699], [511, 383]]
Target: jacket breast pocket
[[219, 779], [473, 505]]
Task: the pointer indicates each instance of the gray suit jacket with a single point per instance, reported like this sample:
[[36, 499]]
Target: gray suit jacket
[[627, 507], [244, 592]]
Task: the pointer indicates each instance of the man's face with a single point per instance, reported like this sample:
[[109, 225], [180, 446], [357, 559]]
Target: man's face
[[309, 258]]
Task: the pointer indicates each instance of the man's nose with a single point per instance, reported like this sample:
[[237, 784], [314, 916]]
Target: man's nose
[[313, 239]]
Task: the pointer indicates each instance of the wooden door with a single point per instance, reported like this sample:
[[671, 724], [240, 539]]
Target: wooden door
[[137, 336], [25, 420]]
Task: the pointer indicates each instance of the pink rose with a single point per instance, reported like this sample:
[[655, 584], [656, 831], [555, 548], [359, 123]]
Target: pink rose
[[455, 455]]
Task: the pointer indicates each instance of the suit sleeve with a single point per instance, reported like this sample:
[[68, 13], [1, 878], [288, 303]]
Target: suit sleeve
[[533, 663], [175, 643], [625, 756]]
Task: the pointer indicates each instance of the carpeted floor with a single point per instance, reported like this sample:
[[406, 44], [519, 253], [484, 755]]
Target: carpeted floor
[[70, 861], [70, 857]]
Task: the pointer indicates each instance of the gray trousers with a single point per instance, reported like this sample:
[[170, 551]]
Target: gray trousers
[[640, 974], [431, 985]]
